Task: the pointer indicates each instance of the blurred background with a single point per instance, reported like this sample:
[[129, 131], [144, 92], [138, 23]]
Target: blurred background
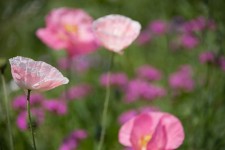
[[179, 55]]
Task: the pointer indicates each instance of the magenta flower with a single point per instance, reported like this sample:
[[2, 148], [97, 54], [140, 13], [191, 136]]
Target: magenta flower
[[20, 102], [182, 79], [55, 106], [38, 115], [152, 131], [207, 57], [69, 29], [116, 79], [222, 63], [189, 41], [116, 32], [144, 37], [138, 89], [35, 75], [158, 27], [77, 92], [148, 72], [71, 142]]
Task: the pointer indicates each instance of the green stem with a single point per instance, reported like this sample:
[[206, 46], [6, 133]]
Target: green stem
[[7, 112], [29, 116], [106, 104]]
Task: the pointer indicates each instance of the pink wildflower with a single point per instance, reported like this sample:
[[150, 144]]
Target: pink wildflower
[[189, 41], [20, 102], [116, 32], [77, 92], [69, 29], [55, 106], [21, 121], [138, 89], [35, 75], [116, 79], [149, 73], [207, 57], [152, 131], [182, 79], [158, 27]]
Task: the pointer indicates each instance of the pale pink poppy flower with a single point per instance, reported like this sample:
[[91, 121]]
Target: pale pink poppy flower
[[69, 29], [116, 32], [35, 75], [152, 131]]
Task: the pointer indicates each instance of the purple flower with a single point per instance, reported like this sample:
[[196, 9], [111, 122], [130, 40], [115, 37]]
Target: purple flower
[[116, 79], [182, 79], [189, 41], [207, 57], [222, 63], [158, 27], [148, 72], [138, 89], [37, 114], [77, 92], [20, 102], [71, 142], [55, 106], [144, 37]]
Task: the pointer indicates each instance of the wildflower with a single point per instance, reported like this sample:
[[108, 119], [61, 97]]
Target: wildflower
[[69, 29], [152, 131], [116, 32], [35, 75]]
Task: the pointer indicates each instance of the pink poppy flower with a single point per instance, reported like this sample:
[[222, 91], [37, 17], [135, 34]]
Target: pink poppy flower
[[35, 75], [152, 131], [77, 92], [116, 32], [69, 29]]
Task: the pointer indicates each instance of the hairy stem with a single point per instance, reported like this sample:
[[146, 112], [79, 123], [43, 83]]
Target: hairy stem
[[29, 117], [106, 104]]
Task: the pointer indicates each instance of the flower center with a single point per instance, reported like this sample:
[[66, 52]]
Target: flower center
[[144, 141], [71, 28]]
